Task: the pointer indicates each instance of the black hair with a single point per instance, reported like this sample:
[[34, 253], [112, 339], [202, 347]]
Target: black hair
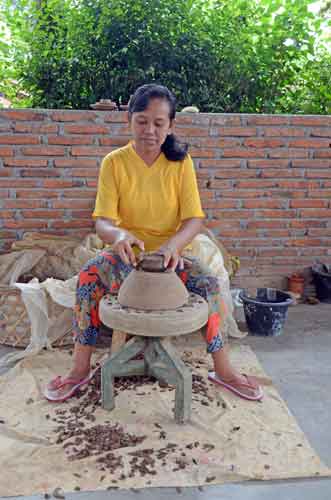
[[172, 148]]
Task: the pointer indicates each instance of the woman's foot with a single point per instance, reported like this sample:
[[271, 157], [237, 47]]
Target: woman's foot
[[243, 385], [227, 376], [62, 388]]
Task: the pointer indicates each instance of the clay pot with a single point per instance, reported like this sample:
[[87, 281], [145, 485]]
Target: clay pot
[[152, 291], [153, 262], [296, 284]]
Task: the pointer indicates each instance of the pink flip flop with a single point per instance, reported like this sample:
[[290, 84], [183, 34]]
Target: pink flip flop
[[217, 380], [58, 382]]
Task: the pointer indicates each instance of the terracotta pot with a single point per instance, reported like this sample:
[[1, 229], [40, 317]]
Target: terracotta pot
[[153, 262], [152, 291], [296, 284]]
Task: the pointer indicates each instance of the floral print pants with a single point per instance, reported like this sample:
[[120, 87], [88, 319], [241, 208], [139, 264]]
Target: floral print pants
[[105, 273]]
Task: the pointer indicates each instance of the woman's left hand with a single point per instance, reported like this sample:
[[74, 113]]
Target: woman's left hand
[[172, 257]]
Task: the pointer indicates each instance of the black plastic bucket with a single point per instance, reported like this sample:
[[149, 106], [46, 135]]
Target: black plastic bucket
[[322, 280], [266, 311]]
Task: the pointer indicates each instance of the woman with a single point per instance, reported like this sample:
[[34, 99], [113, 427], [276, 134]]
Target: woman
[[147, 200]]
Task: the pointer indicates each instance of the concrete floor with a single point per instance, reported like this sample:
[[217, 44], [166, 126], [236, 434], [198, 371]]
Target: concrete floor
[[299, 362]]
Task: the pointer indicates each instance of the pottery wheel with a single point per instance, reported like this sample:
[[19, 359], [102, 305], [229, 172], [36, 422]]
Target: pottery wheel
[[185, 319], [152, 331]]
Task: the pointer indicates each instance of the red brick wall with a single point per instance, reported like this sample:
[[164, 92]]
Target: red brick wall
[[265, 181]]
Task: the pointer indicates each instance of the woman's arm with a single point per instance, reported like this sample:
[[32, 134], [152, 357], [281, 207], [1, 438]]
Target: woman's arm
[[107, 230], [121, 240], [173, 248]]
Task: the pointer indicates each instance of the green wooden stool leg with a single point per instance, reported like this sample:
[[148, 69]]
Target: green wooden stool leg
[[160, 360], [120, 364], [169, 367], [183, 398], [107, 389]]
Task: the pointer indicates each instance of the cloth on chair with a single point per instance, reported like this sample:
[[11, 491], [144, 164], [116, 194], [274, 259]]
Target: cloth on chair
[[208, 252]]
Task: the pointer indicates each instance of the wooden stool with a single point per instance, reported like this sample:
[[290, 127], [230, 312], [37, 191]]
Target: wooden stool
[[152, 331]]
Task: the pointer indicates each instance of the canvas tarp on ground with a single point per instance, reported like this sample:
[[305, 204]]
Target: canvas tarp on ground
[[228, 439]]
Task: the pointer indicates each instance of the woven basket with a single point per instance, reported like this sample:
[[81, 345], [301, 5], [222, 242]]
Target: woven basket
[[15, 327]]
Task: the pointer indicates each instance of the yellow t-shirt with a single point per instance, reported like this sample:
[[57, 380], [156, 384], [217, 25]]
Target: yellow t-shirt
[[148, 201]]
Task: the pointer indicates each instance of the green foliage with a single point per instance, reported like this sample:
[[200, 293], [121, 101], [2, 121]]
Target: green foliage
[[10, 84], [220, 55]]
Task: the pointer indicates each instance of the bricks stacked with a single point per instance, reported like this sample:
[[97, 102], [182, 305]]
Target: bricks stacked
[[265, 181]]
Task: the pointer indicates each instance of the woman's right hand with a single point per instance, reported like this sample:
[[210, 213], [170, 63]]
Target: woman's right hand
[[123, 247]]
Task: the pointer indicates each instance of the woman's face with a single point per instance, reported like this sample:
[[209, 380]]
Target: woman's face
[[150, 127]]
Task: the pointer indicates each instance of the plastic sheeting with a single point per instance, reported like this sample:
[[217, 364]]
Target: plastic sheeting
[[206, 250]]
